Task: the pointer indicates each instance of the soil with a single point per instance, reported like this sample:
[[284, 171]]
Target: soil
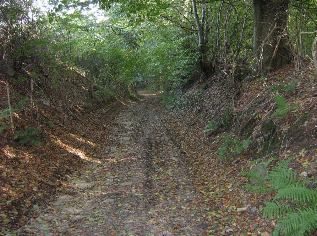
[[140, 184]]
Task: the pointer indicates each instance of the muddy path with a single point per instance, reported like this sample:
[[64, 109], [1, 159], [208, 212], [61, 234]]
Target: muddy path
[[141, 186]]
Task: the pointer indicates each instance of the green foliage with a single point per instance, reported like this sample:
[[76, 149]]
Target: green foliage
[[283, 108], [165, 63], [258, 176], [29, 136], [212, 126], [299, 194], [121, 56], [281, 176], [5, 113], [49, 124], [3, 127], [173, 100], [260, 186], [141, 10], [224, 122], [302, 222], [288, 88], [273, 210], [299, 21], [231, 147], [294, 205]]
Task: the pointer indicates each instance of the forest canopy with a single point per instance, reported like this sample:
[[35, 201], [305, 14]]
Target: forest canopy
[[124, 43]]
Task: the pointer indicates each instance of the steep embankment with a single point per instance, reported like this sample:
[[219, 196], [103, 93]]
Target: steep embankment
[[283, 128], [53, 128]]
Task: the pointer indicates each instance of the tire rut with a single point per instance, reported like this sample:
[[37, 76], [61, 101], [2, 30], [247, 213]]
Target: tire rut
[[142, 186]]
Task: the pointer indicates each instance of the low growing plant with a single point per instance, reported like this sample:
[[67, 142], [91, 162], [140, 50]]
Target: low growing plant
[[294, 205], [173, 100], [257, 178], [3, 127], [232, 146], [29, 136], [212, 126], [223, 122], [283, 108], [288, 88]]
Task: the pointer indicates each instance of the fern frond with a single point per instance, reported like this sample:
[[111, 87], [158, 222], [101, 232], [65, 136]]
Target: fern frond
[[282, 176], [299, 194], [294, 206], [276, 210], [300, 223]]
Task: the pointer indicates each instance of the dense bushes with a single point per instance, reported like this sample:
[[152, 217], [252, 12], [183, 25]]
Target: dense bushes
[[112, 56]]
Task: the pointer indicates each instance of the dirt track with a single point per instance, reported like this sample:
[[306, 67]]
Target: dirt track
[[141, 187]]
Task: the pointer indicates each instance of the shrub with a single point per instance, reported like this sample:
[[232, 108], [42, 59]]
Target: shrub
[[102, 94], [173, 100], [168, 99], [231, 147], [29, 136]]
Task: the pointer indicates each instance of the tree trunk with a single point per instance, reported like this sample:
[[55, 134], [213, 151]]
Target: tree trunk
[[271, 42], [9, 106], [201, 25], [314, 53]]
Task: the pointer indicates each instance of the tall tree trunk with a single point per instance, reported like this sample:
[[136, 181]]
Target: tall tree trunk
[[271, 42], [314, 53], [10, 107], [201, 25]]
